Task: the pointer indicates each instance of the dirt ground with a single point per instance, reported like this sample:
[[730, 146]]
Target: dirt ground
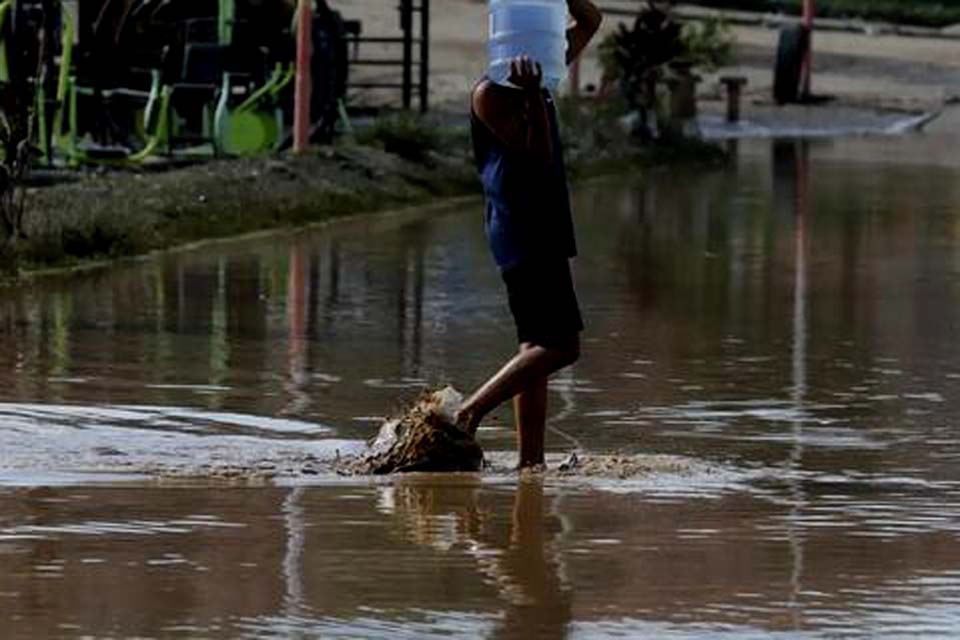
[[916, 74]]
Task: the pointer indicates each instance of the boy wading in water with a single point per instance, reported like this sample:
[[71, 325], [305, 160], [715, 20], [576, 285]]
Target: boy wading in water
[[530, 231]]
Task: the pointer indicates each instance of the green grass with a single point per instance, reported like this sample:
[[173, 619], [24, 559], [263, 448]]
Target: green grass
[[411, 136], [123, 214], [929, 13]]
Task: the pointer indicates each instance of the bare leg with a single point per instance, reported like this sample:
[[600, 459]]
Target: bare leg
[[530, 416], [526, 371]]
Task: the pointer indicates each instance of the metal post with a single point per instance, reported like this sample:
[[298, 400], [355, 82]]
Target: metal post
[[808, 20], [302, 95], [406, 24], [424, 55], [734, 85]]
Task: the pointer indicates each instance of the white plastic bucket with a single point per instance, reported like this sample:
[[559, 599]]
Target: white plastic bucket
[[535, 28]]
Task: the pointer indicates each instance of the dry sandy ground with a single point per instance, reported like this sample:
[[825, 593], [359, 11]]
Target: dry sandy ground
[[875, 70]]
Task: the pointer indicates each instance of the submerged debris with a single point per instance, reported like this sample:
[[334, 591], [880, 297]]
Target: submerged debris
[[570, 464], [424, 438], [626, 466]]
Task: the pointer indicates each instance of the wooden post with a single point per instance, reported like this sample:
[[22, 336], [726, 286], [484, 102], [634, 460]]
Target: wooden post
[[302, 95], [424, 55], [683, 102], [808, 19], [734, 85], [406, 24]]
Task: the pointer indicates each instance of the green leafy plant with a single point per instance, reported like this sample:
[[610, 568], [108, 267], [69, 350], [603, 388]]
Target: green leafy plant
[[706, 45], [632, 56]]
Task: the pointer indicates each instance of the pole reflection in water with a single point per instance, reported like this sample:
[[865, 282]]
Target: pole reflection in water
[[292, 572], [60, 340], [333, 286], [297, 298], [219, 338], [792, 176], [410, 284]]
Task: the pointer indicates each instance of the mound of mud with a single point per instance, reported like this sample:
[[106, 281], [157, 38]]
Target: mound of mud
[[423, 439], [612, 471], [625, 467]]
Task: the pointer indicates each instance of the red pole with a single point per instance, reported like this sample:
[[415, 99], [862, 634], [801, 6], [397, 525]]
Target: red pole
[[302, 97], [808, 16]]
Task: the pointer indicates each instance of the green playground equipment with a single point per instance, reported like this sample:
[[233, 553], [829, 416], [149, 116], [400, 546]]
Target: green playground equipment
[[235, 115], [163, 80], [5, 8], [256, 124], [63, 135], [154, 127]]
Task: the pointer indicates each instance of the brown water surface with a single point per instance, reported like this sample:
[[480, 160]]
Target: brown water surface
[[782, 332]]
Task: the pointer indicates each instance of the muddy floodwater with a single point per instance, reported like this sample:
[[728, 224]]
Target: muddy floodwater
[[769, 393]]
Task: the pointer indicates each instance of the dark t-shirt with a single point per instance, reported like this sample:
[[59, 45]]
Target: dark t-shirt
[[528, 215]]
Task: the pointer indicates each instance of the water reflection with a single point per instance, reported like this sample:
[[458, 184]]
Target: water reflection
[[695, 286], [428, 557], [293, 600], [689, 282], [792, 315], [524, 565], [797, 154], [298, 293]]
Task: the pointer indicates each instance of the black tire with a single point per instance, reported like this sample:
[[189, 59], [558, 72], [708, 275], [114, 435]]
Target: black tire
[[791, 51]]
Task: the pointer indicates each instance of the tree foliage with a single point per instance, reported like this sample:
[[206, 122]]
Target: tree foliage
[[632, 56]]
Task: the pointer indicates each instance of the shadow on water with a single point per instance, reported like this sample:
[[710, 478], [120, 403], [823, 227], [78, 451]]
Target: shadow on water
[[790, 317]]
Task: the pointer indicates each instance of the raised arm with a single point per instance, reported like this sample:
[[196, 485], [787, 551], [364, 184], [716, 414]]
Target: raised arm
[[587, 19], [517, 117]]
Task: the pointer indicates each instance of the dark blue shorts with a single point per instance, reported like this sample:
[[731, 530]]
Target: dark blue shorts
[[544, 302]]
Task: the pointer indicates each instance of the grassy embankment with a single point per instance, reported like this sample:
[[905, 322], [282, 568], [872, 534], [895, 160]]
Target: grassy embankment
[[916, 12], [401, 161]]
